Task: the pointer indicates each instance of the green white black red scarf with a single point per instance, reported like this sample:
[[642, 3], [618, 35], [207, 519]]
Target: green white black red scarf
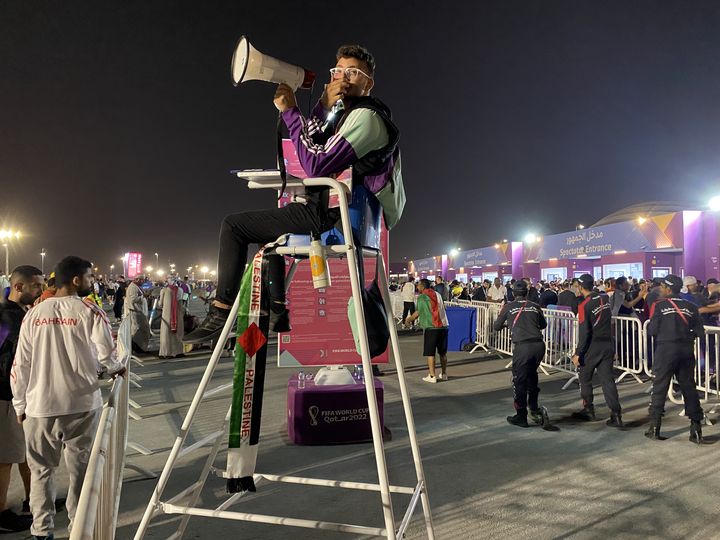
[[249, 376]]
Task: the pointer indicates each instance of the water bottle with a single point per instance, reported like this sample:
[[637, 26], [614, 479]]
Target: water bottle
[[360, 376], [318, 264], [301, 379]]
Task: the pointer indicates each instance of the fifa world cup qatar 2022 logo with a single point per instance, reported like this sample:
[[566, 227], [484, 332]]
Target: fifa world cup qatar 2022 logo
[[313, 412]]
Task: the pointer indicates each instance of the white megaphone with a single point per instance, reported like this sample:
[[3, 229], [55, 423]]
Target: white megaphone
[[249, 64]]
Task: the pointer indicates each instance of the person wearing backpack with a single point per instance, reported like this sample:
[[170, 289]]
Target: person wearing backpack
[[347, 128]]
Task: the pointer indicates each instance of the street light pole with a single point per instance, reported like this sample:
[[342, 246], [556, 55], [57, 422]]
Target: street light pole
[[7, 259], [157, 260], [42, 261]]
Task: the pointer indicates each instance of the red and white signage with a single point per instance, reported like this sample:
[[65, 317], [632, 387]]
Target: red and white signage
[[133, 265]]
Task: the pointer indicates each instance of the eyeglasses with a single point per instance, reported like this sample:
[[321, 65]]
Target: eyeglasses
[[350, 73]]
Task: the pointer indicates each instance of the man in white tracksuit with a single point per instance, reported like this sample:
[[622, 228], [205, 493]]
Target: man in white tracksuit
[[56, 394]]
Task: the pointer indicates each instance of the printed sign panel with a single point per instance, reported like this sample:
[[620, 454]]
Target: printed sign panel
[[133, 262], [321, 333]]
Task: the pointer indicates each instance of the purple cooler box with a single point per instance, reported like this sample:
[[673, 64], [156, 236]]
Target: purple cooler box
[[330, 414]]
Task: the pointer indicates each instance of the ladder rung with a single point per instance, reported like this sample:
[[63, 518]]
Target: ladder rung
[[333, 483], [274, 520]]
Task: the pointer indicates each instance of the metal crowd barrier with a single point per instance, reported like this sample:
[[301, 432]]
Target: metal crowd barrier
[[561, 336], [397, 306], [483, 326], [96, 515], [633, 347], [707, 367], [630, 347]]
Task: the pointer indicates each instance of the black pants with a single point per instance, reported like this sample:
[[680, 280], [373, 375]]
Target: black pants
[[408, 309], [599, 357], [526, 360], [675, 359], [260, 227]]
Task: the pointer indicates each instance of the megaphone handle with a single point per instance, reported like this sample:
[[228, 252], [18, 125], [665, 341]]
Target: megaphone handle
[[281, 156]]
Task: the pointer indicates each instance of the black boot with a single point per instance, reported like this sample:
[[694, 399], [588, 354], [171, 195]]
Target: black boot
[[519, 420], [696, 435], [615, 421], [210, 328], [587, 414], [653, 431]]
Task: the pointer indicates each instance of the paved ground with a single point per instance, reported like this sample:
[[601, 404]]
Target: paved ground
[[486, 479]]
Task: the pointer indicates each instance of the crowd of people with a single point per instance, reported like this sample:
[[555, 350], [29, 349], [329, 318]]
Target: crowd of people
[[634, 295], [678, 309], [56, 343]]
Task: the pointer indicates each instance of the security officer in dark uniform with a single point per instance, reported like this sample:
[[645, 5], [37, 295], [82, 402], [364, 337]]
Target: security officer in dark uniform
[[674, 324], [526, 322], [596, 352]]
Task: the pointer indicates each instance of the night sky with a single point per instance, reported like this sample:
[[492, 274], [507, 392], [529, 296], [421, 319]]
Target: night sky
[[119, 123]]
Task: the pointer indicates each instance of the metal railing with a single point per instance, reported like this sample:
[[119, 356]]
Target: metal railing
[[96, 515], [630, 347], [707, 366], [561, 335], [633, 347]]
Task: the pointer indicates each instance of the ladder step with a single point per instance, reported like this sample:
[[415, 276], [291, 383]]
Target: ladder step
[[333, 483], [140, 448], [274, 520], [134, 404], [321, 482]]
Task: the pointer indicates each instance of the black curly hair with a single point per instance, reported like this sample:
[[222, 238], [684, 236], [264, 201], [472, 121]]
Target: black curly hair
[[359, 52]]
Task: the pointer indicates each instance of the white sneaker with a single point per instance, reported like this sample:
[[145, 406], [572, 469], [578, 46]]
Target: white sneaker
[[442, 377], [430, 379]]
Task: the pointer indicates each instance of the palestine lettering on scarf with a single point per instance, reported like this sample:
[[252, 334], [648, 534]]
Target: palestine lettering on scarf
[[247, 406], [256, 284], [247, 403]]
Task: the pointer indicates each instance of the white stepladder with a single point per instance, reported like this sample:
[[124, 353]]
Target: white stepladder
[[419, 492]]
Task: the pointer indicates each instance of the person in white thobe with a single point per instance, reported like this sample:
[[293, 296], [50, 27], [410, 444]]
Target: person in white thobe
[[136, 308], [172, 322]]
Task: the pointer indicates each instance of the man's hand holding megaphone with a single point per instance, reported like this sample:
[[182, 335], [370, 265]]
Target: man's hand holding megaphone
[[284, 98], [336, 90]]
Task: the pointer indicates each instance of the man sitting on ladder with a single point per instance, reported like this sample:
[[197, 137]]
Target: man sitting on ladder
[[347, 128]]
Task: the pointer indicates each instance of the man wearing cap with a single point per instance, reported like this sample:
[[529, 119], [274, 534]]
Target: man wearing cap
[[674, 324], [690, 290], [595, 352], [526, 322]]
